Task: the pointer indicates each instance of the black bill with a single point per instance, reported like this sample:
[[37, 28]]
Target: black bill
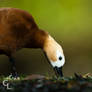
[[58, 71]]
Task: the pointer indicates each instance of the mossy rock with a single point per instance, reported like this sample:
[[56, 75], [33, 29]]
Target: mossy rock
[[39, 83]]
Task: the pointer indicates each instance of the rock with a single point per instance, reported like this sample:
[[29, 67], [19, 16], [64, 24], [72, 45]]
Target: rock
[[34, 76]]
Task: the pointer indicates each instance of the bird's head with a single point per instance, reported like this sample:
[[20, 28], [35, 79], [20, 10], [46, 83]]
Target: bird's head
[[55, 55]]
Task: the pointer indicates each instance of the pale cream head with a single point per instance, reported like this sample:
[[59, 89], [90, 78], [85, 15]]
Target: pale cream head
[[54, 52]]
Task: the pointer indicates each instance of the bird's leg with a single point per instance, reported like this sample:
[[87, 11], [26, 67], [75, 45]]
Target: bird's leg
[[13, 67]]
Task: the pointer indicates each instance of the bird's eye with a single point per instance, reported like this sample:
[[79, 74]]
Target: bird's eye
[[60, 58]]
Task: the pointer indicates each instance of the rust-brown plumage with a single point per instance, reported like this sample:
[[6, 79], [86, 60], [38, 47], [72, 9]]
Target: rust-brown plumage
[[19, 30]]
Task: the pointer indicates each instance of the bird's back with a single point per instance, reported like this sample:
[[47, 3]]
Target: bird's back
[[16, 26]]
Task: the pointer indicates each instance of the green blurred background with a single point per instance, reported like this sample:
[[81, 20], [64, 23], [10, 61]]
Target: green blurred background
[[69, 22]]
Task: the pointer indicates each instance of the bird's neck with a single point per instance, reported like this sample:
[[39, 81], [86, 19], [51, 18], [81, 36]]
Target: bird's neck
[[38, 39], [50, 48]]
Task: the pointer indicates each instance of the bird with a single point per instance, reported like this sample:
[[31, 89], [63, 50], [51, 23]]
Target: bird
[[19, 30]]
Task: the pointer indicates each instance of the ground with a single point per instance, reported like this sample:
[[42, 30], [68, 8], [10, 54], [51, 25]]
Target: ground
[[38, 83]]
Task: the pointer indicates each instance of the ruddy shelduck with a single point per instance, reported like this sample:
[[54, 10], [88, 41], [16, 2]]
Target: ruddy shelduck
[[18, 30]]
